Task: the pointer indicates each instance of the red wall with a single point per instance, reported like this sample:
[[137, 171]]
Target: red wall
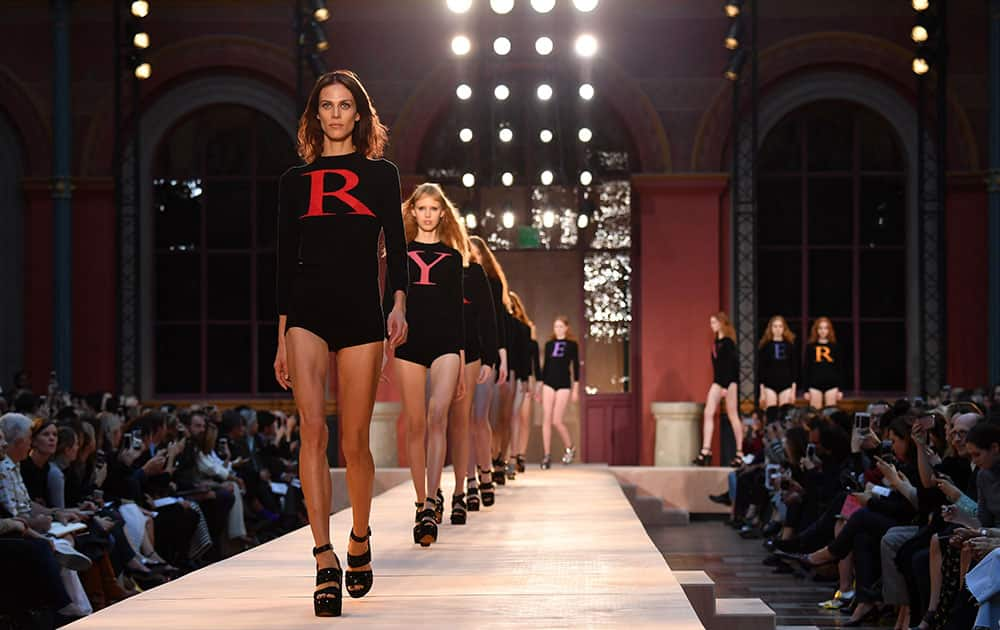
[[966, 288], [680, 285]]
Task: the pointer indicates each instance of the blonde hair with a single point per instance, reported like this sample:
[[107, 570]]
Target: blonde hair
[[517, 310], [814, 333], [451, 229], [492, 268], [788, 335]]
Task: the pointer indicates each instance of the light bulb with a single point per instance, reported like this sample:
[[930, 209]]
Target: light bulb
[[586, 91], [468, 180], [548, 218], [506, 134], [544, 92], [501, 92], [502, 7], [463, 92], [545, 136], [460, 45], [470, 221], [586, 45], [586, 177], [507, 179], [547, 177], [543, 6], [584, 134], [459, 6], [508, 219], [543, 45], [501, 46], [465, 135]]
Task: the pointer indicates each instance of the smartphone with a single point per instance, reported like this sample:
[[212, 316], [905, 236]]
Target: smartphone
[[811, 450], [862, 420], [136, 441], [925, 422]]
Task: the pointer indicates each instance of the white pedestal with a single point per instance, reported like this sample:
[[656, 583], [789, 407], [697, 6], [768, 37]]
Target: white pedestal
[[678, 432], [383, 434]]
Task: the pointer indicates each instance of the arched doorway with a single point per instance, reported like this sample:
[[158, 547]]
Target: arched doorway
[[831, 236], [215, 195]]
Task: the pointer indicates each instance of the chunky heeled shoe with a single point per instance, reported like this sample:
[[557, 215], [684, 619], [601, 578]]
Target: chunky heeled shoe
[[511, 471], [499, 472], [520, 463], [425, 532], [328, 597], [486, 488], [458, 509], [359, 582], [546, 462], [472, 500], [737, 462], [439, 507], [568, 455], [703, 459]]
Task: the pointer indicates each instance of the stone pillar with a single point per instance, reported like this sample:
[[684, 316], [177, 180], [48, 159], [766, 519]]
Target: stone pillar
[[383, 434], [993, 187], [678, 432]]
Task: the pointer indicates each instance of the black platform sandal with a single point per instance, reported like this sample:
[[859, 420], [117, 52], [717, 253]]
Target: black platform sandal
[[546, 462], [737, 461], [520, 463], [359, 582], [439, 507], [472, 501], [458, 509], [486, 488], [499, 472], [703, 459], [328, 600], [426, 531]]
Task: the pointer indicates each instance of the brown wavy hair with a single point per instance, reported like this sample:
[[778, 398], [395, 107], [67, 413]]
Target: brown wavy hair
[[517, 310], [370, 136], [569, 329], [725, 326], [788, 335], [492, 268], [814, 332], [451, 229]]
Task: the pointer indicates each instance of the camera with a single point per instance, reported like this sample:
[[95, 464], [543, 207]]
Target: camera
[[862, 420], [810, 450]]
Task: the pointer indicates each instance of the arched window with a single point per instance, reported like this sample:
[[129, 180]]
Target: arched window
[[215, 183], [831, 236]]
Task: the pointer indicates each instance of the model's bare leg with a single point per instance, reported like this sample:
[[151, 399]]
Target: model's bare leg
[[733, 413], [562, 401], [708, 418], [548, 407], [459, 429], [412, 380], [444, 377]]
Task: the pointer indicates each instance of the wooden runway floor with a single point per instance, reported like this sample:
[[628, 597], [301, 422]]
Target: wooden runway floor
[[560, 549]]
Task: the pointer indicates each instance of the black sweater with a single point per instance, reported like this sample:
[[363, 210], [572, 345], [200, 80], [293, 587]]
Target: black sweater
[[725, 363], [779, 367], [434, 310], [480, 318], [824, 367], [330, 214]]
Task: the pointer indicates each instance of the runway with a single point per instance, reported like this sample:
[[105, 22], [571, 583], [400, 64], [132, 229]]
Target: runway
[[560, 549]]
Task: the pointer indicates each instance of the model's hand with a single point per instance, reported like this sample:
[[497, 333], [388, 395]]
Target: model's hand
[[398, 328], [383, 376], [503, 371], [281, 366], [460, 386], [485, 373], [948, 489]]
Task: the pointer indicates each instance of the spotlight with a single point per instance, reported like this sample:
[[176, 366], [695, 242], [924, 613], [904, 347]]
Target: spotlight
[[502, 7], [320, 12], [543, 45], [586, 177], [919, 34], [582, 221], [468, 180], [463, 92], [921, 5], [501, 92], [470, 221], [920, 66], [459, 6], [507, 179], [508, 219], [586, 45], [465, 135], [736, 64], [584, 134], [547, 177], [141, 40], [143, 71], [733, 36], [460, 45], [501, 46], [506, 135], [320, 36], [544, 92], [545, 136], [586, 6], [586, 91], [732, 7], [140, 8], [548, 218], [543, 6]]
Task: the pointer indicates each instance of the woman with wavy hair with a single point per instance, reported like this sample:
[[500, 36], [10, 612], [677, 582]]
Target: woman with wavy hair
[[521, 412], [777, 363], [560, 385], [823, 375], [725, 385], [331, 211], [483, 407], [435, 346]]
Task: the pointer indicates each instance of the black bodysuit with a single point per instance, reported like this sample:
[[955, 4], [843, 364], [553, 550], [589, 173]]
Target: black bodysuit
[[330, 213], [725, 363], [536, 366], [824, 369], [518, 358], [778, 364], [480, 318], [559, 355], [433, 305]]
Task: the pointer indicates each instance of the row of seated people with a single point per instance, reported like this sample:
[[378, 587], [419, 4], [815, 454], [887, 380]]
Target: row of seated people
[[900, 504]]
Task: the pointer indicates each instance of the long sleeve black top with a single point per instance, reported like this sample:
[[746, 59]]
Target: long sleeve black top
[[824, 367], [434, 309], [536, 366], [725, 363], [560, 354], [330, 214], [779, 367], [480, 319], [500, 313]]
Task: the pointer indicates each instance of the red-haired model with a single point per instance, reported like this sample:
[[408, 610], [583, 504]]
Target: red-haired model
[[725, 383], [777, 363], [823, 375]]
